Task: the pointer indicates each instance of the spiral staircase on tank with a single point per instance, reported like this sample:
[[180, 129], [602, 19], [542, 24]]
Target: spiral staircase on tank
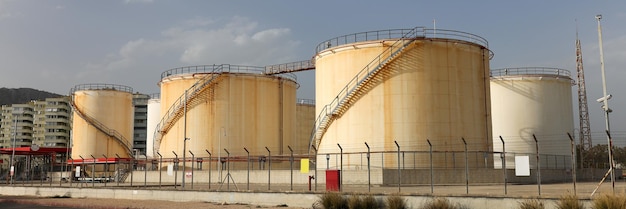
[[119, 138], [359, 85], [176, 111]]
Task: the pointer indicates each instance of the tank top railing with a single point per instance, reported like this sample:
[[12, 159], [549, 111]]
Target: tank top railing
[[119, 138], [530, 71], [336, 106]]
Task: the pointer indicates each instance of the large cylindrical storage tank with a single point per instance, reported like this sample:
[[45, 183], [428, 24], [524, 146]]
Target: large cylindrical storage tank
[[154, 116], [238, 107], [532, 101], [305, 118], [434, 87], [102, 121]]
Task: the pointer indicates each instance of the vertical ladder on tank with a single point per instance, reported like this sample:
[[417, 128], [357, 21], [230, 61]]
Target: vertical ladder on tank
[[175, 111], [361, 80], [103, 128]]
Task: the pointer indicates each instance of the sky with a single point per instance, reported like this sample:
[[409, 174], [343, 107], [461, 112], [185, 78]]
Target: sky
[[55, 45]]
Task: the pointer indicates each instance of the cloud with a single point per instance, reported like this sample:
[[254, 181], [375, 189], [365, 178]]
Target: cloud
[[5, 11], [197, 41]]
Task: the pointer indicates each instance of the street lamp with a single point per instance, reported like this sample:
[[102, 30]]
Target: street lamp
[[605, 104]]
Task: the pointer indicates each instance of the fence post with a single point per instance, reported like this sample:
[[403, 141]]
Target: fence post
[[81, 171], [430, 151], [93, 171], [291, 165], [399, 172], [340, 167], [369, 178], [175, 169], [193, 160], [145, 171], [269, 170], [207, 151], [466, 167], [503, 158], [538, 165], [312, 146], [106, 169], [117, 169], [571, 139], [248, 168], [160, 167]]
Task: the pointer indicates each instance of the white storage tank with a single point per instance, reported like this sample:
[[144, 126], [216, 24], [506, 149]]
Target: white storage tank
[[527, 101], [154, 116]]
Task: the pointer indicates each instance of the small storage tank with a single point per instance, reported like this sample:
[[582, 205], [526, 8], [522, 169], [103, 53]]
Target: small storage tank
[[229, 107], [431, 84], [527, 101], [102, 121], [154, 116]]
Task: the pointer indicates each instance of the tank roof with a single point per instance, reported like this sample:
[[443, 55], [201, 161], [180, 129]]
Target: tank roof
[[417, 32], [101, 86], [222, 68]]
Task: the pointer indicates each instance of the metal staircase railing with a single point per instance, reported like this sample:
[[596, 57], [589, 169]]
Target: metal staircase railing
[[176, 110], [339, 104], [289, 67], [119, 138]]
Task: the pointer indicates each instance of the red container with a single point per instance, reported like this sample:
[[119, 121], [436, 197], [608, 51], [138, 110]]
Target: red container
[[333, 180]]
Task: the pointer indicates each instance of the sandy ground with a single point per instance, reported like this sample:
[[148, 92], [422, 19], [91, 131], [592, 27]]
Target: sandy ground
[[119, 203]]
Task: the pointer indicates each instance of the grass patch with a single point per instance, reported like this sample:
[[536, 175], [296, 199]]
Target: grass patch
[[531, 204], [569, 201], [611, 201], [395, 201], [441, 203], [332, 200]]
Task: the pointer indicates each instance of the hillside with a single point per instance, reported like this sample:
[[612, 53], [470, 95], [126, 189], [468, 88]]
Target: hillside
[[23, 95]]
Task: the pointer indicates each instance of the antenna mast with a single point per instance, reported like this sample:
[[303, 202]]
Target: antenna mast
[[583, 110]]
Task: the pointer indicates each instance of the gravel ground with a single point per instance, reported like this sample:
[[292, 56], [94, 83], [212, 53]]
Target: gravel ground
[[120, 203]]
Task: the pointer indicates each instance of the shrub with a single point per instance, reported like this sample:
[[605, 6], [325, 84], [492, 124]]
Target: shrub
[[332, 200], [441, 203], [354, 202], [609, 201], [569, 201], [394, 201], [368, 201], [531, 204]]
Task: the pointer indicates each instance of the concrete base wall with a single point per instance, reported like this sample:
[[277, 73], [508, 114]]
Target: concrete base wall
[[457, 176], [292, 199]]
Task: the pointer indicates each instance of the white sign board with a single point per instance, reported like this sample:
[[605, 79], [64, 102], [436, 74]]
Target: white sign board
[[170, 170], [522, 166], [77, 171]]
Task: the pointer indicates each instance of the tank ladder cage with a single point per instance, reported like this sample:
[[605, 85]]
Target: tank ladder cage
[[400, 34], [335, 107], [99, 125], [531, 71]]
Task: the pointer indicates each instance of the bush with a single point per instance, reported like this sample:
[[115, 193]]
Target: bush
[[606, 201], [354, 202], [569, 201], [394, 201], [531, 204], [370, 202], [441, 203], [332, 200]]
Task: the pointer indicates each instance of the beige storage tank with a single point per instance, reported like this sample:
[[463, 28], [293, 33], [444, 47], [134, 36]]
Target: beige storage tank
[[103, 120], [229, 107], [527, 101], [305, 118], [405, 85], [154, 116]]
